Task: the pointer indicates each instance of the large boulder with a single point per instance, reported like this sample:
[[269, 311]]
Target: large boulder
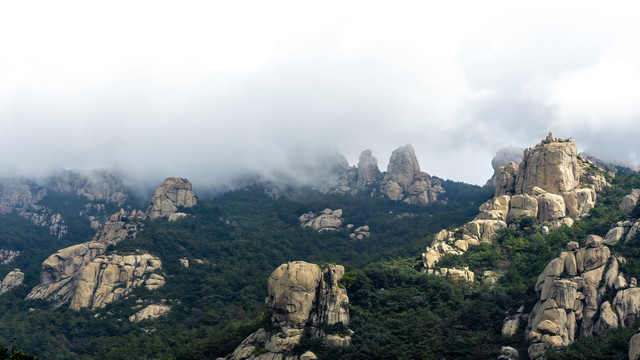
[[12, 280], [523, 205], [627, 305], [629, 202]]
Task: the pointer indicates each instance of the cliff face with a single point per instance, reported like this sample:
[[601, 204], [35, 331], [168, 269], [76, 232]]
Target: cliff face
[[304, 298]]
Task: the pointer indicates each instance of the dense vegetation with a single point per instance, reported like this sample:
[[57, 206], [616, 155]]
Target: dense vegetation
[[234, 241]]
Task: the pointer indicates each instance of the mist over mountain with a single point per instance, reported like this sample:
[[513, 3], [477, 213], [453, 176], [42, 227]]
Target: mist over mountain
[[211, 91]]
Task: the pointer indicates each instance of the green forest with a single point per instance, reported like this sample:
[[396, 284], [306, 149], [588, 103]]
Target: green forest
[[240, 237]]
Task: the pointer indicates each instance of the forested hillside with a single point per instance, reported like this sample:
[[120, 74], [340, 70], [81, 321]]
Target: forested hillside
[[232, 243]]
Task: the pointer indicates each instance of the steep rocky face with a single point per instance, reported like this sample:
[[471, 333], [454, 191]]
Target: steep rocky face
[[172, 194], [405, 182], [12, 280], [110, 278], [368, 172], [303, 298]]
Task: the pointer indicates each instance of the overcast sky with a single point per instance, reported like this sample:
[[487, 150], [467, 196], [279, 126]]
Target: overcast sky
[[206, 89]]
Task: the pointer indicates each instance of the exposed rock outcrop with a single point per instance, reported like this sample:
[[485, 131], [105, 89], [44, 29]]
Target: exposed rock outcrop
[[629, 202], [512, 323], [304, 298], [571, 305], [84, 276], [503, 157], [552, 184], [622, 230], [327, 220], [463, 274], [110, 278], [98, 185], [360, 233], [150, 312], [405, 182], [12, 280], [368, 172], [172, 194], [24, 197]]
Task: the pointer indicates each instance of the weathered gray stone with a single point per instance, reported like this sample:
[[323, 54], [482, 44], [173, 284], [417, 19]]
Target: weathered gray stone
[[608, 319], [12, 280]]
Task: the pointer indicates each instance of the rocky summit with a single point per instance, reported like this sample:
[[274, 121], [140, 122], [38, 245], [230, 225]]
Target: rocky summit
[[403, 180], [552, 184]]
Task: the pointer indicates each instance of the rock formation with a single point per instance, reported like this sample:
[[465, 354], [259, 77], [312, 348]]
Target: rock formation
[[552, 184], [98, 185], [150, 312], [304, 298], [405, 182], [368, 172], [110, 278], [511, 323], [23, 197], [571, 305], [622, 230], [172, 194], [12, 280], [629, 202], [360, 233], [327, 220], [503, 157], [84, 276]]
